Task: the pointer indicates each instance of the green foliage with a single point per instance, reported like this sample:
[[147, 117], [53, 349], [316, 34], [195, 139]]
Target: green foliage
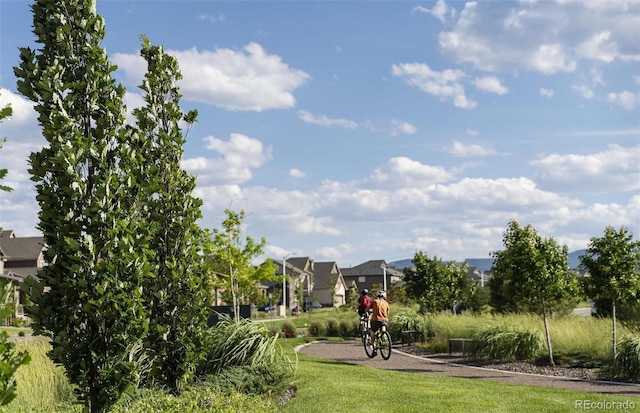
[[196, 399], [613, 264], [240, 343], [176, 296], [232, 257], [436, 285], [407, 320], [5, 112], [506, 343], [626, 365], [288, 328], [10, 360], [259, 380], [348, 328], [89, 299], [317, 329], [530, 269], [333, 328]]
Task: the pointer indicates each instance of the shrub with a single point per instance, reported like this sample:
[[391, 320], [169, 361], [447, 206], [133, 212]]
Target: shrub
[[349, 328], [256, 380], [317, 329], [333, 327], [288, 329], [626, 365], [409, 320], [503, 342]]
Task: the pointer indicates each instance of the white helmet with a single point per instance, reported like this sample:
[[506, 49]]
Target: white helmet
[[382, 294]]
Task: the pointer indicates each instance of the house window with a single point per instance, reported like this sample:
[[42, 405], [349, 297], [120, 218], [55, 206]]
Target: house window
[[362, 279]]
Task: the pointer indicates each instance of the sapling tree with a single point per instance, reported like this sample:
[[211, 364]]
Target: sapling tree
[[436, 285], [176, 296], [535, 269], [89, 298], [231, 256], [613, 265]]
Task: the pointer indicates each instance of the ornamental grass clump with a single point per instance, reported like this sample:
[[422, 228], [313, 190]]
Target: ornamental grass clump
[[333, 327], [240, 343], [626, 365], [317, 329], [505, 343]]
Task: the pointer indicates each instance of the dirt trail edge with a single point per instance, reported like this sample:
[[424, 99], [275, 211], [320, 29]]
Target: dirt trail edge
[[352, 352]]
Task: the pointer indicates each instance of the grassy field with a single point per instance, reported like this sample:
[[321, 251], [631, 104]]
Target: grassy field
[[323, 385]]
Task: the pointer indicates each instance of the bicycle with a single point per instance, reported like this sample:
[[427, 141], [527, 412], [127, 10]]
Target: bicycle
[[364, 327], [383, 344]]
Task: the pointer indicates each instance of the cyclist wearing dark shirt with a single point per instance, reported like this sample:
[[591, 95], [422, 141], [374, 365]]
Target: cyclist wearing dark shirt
[[364, 301]]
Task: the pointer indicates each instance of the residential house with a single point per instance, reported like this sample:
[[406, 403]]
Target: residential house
[[481, 277], [329, 288], [21, 257], [299, 283], [371, 273]]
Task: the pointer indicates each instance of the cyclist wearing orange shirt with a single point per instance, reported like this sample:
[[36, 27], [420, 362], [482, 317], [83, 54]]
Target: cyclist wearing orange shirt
[[379, 314]]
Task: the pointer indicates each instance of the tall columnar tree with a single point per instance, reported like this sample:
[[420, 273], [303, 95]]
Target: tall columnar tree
[[88, 299], [613, 265], [228, 254], [176, 297], [535, 270], [436, 285]]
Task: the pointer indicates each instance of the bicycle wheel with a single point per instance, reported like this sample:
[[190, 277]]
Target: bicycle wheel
[[363, 335], [368, 347], [385, 345]]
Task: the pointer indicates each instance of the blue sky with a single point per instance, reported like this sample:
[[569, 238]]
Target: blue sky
[[358, 130]]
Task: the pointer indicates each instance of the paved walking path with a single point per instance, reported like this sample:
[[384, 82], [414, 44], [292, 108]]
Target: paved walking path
[[353, 352]]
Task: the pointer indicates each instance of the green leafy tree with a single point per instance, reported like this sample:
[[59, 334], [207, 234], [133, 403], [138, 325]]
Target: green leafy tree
[[228, 254], [89, 298], [436, 285], [535, 270], [10, 359], [613, 263], [176, 297]]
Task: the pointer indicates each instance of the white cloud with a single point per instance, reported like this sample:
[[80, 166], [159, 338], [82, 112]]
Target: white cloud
[[446, 84], [552, 58], [296, 173], [323, 120], [490, 84], [598, 47], [399, 126], [404, 172], [23, 113], [239, 155], [548, 93], [584, 91], [544, 36], [213, 18], [248, 80], [616, 169], [462, 150], [625, 99], [439, 10]]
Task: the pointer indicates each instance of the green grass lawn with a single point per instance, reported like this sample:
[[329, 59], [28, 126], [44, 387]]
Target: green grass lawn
[[324, 385]]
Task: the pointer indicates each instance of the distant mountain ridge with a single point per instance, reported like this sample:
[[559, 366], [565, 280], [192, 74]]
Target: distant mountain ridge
[[485, 264]]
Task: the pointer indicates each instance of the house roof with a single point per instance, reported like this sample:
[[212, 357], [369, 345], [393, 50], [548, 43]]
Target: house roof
[[323, 271], [371, 267], [23, 248], [303, 263]]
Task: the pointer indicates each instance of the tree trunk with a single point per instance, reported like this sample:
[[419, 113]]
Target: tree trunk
[[613, 320], [546, 332]]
